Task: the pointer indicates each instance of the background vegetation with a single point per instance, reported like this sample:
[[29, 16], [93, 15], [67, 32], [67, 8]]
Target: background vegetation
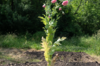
[[20, 26], [21, 16], [87, 44]]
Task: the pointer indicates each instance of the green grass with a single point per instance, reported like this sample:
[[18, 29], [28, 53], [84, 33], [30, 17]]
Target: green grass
[[23, 41], [88, 44]]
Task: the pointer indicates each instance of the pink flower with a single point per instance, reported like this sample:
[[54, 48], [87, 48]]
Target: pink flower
[[49, 16], [60, 9], [65, 3], [53, 1], [44, 6]]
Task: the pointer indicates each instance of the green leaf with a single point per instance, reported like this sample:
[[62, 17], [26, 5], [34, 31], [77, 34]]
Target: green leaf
[[58, 41], [43, 20]]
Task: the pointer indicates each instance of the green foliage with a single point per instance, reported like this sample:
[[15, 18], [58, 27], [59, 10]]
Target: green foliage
[[37, 36], [88, 44], [22, 41], [81, 17], [19, 16], [50, 23], [88, 16]]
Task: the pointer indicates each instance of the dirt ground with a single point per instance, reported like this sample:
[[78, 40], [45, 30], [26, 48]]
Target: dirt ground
[[31, 57]]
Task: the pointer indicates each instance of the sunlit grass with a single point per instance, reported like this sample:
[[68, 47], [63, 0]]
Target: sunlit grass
[[24, 41], [88, 44]]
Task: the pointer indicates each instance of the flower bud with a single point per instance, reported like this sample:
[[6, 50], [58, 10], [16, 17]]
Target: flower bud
[[44, 6], [53, 1], [65, 3], [49, 16], [60, 9]]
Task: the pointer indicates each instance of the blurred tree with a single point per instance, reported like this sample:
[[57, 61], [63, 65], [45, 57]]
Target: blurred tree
[[81, 17], [19, 16]]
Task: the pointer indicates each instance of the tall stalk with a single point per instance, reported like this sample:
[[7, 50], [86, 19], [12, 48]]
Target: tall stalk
[[50, 28]]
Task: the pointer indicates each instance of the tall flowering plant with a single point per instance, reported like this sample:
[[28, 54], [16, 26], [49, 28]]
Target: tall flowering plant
[[49, 19]]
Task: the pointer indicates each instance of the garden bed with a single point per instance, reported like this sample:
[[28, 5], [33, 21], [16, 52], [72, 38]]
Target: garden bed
[[30, 57]]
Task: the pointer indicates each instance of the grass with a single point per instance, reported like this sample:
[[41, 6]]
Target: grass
[[23, 41], [88, 44]]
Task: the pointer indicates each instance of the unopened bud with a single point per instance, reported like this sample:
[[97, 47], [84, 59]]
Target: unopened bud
[[44, 6]]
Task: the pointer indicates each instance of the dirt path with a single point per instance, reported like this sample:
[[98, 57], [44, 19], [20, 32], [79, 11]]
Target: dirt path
[[31, 57]]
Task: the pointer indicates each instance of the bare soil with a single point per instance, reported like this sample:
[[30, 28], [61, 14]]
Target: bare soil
[[31, 57]]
